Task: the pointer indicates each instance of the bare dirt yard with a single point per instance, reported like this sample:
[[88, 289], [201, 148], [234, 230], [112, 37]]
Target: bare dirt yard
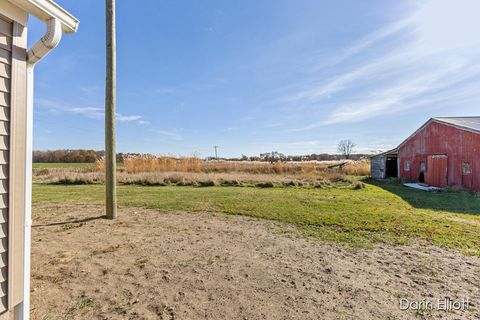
[[154, 265]]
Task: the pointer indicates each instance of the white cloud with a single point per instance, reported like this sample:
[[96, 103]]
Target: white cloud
[[93, 113], [426, 58], [98, 113], [169, 134], [123, 118]]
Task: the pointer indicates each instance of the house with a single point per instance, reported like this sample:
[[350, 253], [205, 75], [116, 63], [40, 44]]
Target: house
[[445, 151], [16, 113]]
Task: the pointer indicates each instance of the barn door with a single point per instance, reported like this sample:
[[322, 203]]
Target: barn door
[[436, 174]]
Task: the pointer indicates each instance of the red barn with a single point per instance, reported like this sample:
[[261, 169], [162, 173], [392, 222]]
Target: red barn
[[442, 152]]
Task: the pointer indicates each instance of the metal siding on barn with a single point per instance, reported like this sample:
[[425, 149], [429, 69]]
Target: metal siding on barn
[[6, 29], [437, 138], [437, 170], [377, 166]]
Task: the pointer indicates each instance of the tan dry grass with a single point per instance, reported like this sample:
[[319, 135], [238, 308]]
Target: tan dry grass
[[193, 171], [193, 164], [79, 176], [359, 168]]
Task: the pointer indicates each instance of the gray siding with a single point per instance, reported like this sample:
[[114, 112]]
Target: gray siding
[[377, 167]]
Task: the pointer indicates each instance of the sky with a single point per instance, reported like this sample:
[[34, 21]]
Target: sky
[[258, 76]]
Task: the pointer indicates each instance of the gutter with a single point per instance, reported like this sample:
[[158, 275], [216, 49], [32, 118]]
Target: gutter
[[47, 9], [39, 50]]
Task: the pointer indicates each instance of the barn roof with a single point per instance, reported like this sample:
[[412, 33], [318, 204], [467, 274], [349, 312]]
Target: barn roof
[[393, 151], [471, 123]]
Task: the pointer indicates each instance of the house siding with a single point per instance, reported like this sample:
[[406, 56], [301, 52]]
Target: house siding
[[13, 108], [6, 30]]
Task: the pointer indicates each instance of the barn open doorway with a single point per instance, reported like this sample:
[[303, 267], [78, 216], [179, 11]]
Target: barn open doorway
[[391, 167]]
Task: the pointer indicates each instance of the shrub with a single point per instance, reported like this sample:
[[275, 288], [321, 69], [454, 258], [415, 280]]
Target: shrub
[[357, 185], [74, 181], [41, 172], [207, 183], [264, 185]]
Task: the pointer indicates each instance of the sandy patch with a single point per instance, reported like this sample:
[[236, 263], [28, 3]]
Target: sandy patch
[[149, 265]]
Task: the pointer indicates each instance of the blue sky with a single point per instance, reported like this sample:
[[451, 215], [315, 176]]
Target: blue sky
[[258, 76]]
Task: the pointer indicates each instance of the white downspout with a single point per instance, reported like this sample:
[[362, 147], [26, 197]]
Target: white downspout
[[39, 50]]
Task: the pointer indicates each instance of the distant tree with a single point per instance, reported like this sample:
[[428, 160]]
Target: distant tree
[[273, 156], [345, 148]]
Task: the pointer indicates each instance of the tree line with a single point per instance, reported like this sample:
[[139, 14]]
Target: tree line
[[90, 156], [70, 156]]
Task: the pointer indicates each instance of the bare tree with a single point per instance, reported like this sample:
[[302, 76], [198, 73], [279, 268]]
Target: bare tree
[[110, 102], [345, 148]]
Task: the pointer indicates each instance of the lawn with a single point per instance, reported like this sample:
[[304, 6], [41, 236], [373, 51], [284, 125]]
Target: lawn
[[73, 165], [381, 212], [62, 165]]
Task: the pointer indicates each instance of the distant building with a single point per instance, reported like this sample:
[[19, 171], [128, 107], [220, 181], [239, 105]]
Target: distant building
[[443, 152]]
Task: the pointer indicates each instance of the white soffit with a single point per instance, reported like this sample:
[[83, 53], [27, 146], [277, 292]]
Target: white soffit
[[48, 9]]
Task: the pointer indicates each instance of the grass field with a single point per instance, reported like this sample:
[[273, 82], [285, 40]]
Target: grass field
[[62, 165], [381, 212], [74, 165]]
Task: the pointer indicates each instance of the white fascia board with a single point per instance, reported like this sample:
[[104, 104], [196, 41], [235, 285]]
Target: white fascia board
[[48, 9]]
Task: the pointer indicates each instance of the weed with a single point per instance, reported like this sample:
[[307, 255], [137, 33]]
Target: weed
[[83, 304], [264, 185], [357, 185]]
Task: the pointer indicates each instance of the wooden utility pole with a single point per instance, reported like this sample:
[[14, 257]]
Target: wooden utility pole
[[110, 102], [216, 154]]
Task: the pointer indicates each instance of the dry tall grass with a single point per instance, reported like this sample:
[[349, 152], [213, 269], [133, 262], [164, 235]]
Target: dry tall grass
[[193, 164], [81, 176], [361, 168], [196, 172]]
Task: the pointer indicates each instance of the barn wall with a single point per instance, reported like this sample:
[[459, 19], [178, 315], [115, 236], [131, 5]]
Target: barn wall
[[436, 139], [377, 167]]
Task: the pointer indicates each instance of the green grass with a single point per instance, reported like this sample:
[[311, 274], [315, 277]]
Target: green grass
[[74, 165], [381, 212], [83, 303], [62, 165]]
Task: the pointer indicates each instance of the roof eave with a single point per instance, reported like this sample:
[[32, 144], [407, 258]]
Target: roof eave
[[391, 151], [437, 120], [458, 126], [48, 9]]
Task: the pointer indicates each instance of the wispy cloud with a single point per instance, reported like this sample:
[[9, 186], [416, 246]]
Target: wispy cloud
[[417, 61], [98, 113], [121, 117], [169, 134], [93, 113]]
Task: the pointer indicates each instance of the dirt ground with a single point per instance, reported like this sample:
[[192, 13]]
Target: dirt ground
[[151, 265]]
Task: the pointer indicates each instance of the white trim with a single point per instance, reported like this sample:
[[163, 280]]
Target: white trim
[[51, 39], [25, 315], [45, 10]]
